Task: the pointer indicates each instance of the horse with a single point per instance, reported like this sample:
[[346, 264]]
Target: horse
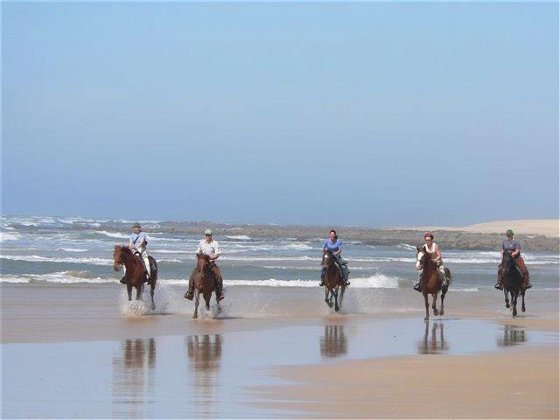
[[135, 274], [513, 283], [204, 282], [430, 282], [334, 282]]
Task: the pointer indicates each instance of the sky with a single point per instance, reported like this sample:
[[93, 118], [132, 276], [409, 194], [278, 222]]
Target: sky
[[370, 114]]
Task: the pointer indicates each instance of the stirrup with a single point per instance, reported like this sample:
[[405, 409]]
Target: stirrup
[[123, 280], [417, 287], [497, 286], [189, 295]]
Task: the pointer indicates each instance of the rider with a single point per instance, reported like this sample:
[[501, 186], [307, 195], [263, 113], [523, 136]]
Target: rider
[[334, 245], [137, 243], [435, 255], [512, 246], [209, 247]]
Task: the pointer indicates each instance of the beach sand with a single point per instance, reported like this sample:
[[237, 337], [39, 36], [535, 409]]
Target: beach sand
[[546, 227], [82, 351]]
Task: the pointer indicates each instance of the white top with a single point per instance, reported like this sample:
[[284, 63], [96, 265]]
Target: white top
[[211, 249]]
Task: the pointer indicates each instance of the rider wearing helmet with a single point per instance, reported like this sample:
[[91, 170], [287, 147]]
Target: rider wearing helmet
[[435, 255], [209, 247], [512, 246]]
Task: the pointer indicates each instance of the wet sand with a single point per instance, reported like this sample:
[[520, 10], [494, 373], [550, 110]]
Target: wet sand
[[81, 351]]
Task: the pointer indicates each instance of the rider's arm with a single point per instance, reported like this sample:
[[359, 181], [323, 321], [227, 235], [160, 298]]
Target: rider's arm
[[217, 252], [438, 254], [337, 253], [516, 251]]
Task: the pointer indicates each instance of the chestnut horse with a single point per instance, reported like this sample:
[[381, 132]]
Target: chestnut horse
[[513, 282], [204, 282], [430, 282], [333, 281], [135, 274]]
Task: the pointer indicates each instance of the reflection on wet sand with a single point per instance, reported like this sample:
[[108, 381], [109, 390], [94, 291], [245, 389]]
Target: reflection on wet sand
[[133, 377], [205, 353], [334, 342], [433, 343], [512, 336]]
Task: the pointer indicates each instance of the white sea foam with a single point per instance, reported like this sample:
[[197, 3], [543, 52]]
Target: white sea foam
[[39, 258], [239, 237], [9, 236], [407, 247], [63, 277], [13, 279], [112, 234], [73, 249]]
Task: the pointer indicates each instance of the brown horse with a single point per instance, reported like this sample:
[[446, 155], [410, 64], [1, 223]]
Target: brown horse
[[430, 282], [135, 275], [204, 282], [333, 281]]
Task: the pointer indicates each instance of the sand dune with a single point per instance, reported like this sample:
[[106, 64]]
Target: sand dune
[[547, 227]]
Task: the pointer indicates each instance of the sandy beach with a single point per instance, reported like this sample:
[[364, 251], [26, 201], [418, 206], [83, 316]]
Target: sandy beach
[[283, 354]]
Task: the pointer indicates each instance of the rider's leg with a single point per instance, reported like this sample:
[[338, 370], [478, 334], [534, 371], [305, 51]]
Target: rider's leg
[[322, 276], [147, 267], [417, 285], [442, 275], [500, 282], [219, 282], [123, 281], [190, 292], [342, 265], [523, 268]]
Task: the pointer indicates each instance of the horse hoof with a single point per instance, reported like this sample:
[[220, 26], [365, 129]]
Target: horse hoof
[[153, 307], [523, 309], [436, 312], [195, 316], [507, 305], [514, 312], [336, 308], [441, 313]]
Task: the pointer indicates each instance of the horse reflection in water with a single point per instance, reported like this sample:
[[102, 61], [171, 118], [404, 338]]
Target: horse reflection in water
[[133, 378], [205, 353], [433, 343], [334, 342], [512, 336]]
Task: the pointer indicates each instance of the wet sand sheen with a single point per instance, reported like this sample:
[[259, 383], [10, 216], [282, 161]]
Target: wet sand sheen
[[70, 352]]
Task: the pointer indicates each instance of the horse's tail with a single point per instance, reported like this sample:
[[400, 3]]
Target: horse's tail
[[153, 269]]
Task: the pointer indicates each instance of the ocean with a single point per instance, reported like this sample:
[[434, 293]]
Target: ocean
[[75, 250]]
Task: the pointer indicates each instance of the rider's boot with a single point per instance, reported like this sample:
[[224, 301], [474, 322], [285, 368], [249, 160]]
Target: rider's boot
[[500, 282], [123, 280], [190, 292], [322, 277], [345, 274], [417, 284]]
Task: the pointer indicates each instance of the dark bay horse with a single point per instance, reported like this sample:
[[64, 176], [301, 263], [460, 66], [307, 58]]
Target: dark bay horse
[[204, 282], [430, 282], [333, 281], [513, 282], [135, 275]]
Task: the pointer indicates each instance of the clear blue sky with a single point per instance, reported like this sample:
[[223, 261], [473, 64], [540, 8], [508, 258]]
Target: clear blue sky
[[305, 113]]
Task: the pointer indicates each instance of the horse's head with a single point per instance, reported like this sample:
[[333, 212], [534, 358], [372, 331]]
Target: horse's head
[[328, 258], [202, 263], [421, 255], [507, 261], [119, 256]]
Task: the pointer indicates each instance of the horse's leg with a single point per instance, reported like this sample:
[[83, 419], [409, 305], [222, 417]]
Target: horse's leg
[[427, 305], [139, 291], [196, 301], [336, 307], [507, 297], [326, 295], [152, 288], [434, 303], [523, 301], [442, 298], [129, 291], [514, 302]]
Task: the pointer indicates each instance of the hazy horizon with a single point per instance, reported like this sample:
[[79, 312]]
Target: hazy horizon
[[357, 114]]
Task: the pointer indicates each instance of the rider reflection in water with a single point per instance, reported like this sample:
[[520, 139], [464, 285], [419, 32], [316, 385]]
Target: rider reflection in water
[[334, 245]]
